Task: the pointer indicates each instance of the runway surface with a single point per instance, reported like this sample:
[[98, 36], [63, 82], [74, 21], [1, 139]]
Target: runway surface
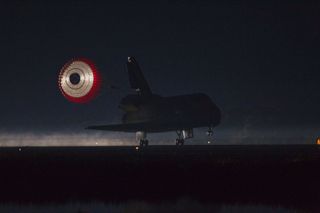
[[286, 175]]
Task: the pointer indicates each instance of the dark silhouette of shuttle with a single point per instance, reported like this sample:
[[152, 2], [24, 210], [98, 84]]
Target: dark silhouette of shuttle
[[147, 112]]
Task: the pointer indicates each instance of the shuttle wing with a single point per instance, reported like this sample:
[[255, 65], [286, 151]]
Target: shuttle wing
[[145, 126], [133, 127]]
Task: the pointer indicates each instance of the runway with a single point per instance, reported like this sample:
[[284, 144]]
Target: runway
[[270, 174]]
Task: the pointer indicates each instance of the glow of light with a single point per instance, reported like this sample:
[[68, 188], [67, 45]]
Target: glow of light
[[318, 141], [137, 148], [20, 140], [209, 142]]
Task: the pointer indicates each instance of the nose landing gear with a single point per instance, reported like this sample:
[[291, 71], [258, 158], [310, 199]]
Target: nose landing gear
[[210, 134]]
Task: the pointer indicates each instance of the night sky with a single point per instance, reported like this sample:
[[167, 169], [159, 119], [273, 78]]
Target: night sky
[[258, 61]]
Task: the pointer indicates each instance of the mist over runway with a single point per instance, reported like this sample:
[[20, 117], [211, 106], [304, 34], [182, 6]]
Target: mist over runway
[[222, 136]]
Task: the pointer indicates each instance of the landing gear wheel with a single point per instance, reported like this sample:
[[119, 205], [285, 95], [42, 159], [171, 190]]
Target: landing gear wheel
[[144, 142], [179, 142], [210, 132]]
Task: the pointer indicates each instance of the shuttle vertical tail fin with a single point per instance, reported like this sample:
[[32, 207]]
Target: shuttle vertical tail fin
[[136, 78]]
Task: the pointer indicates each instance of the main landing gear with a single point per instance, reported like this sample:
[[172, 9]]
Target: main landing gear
[[182, 135], [144, 142], [142, 138], [179, 140]]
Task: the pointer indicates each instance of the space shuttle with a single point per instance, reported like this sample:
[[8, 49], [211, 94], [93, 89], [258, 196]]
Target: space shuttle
[[146, 112]]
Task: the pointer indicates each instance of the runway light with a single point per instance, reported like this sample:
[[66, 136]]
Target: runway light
[[318, 141], [209, 142], [19, 149], [137, 148]]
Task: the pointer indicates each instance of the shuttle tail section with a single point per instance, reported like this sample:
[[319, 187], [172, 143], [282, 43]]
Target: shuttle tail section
[[136, 78]]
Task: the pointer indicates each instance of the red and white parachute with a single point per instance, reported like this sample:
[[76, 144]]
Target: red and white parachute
[[79, 80]]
